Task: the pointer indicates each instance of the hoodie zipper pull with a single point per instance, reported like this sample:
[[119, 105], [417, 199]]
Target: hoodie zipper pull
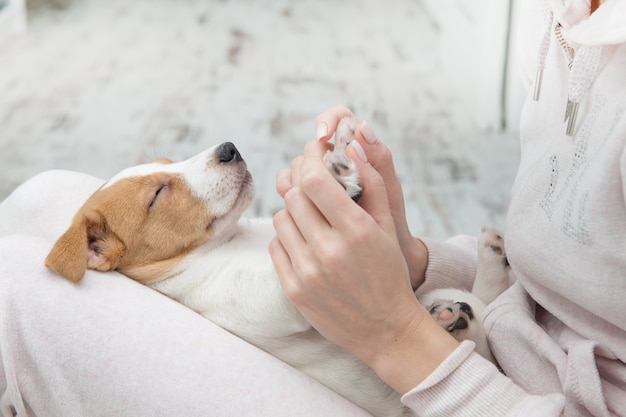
[[571, 113], [543, 52], [583, 71], [538, 81]]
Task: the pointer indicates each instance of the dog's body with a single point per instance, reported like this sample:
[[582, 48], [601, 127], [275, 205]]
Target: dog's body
[[176, 227], [236, 287]]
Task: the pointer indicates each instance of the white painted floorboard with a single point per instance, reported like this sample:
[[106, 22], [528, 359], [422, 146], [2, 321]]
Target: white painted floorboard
[[96, 86]]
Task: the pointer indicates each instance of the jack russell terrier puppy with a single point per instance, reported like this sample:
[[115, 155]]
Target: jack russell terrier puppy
[[176, 227]]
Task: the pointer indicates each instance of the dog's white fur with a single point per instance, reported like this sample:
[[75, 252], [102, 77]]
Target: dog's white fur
[[176, 227]]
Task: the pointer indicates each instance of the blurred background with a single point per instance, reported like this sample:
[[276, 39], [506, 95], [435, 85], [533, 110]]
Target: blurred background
[[96, 86]]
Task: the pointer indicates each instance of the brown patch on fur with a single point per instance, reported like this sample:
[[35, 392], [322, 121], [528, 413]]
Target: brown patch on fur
[[147, 272], [140, 226]]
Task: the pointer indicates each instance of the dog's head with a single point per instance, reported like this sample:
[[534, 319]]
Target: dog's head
[[148, 217]]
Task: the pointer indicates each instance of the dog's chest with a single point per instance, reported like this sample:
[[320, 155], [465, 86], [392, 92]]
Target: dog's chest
[[235, 285]]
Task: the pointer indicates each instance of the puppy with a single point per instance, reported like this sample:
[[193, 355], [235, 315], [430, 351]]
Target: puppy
[[176, 227]]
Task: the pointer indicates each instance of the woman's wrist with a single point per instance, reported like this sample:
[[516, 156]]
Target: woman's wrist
[[416, 256], [411, 357]]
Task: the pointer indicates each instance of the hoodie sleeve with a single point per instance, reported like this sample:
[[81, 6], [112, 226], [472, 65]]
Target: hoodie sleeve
[[466, 384], [450, 264]]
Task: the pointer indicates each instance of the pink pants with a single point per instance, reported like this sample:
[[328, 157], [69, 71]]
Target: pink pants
[[110, 346]]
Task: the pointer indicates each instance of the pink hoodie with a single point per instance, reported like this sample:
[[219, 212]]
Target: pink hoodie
[[559, 332]]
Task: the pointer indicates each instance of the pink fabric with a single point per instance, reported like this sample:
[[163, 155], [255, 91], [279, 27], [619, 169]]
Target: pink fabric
[[570, 12]]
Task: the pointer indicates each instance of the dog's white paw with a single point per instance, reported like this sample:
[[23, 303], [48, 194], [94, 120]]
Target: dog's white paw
[[460, 314], [339, 165], [455, 317], [492, 268], [491, 248]]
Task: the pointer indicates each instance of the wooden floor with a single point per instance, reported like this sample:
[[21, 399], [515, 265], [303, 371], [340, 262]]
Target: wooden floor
[[97, 86]]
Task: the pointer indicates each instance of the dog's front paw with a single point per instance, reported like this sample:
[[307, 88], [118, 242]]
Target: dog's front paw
[[339, 165]]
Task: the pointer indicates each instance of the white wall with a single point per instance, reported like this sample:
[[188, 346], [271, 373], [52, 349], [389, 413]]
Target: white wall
[[12, 19], [473, 48]]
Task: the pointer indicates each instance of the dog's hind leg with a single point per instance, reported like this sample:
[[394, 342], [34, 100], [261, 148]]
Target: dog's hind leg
[[492, 269]]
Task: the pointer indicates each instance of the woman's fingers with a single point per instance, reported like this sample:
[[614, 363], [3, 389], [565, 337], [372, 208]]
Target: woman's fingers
[[287, 230], [293, 256], [379, 156], [305, 214], [324, 191], [283, 181], [326, 122], [295, 170], [329, 198], [288, 177], [283, 266]]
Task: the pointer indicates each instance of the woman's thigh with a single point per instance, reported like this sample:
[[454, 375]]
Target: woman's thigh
[[109, 346]]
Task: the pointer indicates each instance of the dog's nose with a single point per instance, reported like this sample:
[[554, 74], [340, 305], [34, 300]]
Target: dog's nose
[[227, 152]]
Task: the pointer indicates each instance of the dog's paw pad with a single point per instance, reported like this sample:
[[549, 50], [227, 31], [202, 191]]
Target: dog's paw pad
[[452, 316]]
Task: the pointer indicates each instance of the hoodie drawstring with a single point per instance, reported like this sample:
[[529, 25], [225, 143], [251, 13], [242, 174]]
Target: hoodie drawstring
[[583, 63], [543, 52]]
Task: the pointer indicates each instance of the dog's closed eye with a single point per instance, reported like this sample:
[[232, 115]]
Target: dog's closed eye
[[155, 196]]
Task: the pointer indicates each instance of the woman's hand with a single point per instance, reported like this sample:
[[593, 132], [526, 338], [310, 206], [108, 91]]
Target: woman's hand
[[344, 270], [379, 157], [332, 256]]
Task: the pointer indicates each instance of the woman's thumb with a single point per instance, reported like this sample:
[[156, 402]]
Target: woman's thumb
[[378, 155], [380, 158]]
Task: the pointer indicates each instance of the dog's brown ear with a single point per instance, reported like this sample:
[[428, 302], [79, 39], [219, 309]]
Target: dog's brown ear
[[68, 256], [104, 248], [88, 243]]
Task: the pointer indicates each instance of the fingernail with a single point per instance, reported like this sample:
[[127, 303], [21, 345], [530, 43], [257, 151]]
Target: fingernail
[[359, 150], [321, 130], [368, 133]]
